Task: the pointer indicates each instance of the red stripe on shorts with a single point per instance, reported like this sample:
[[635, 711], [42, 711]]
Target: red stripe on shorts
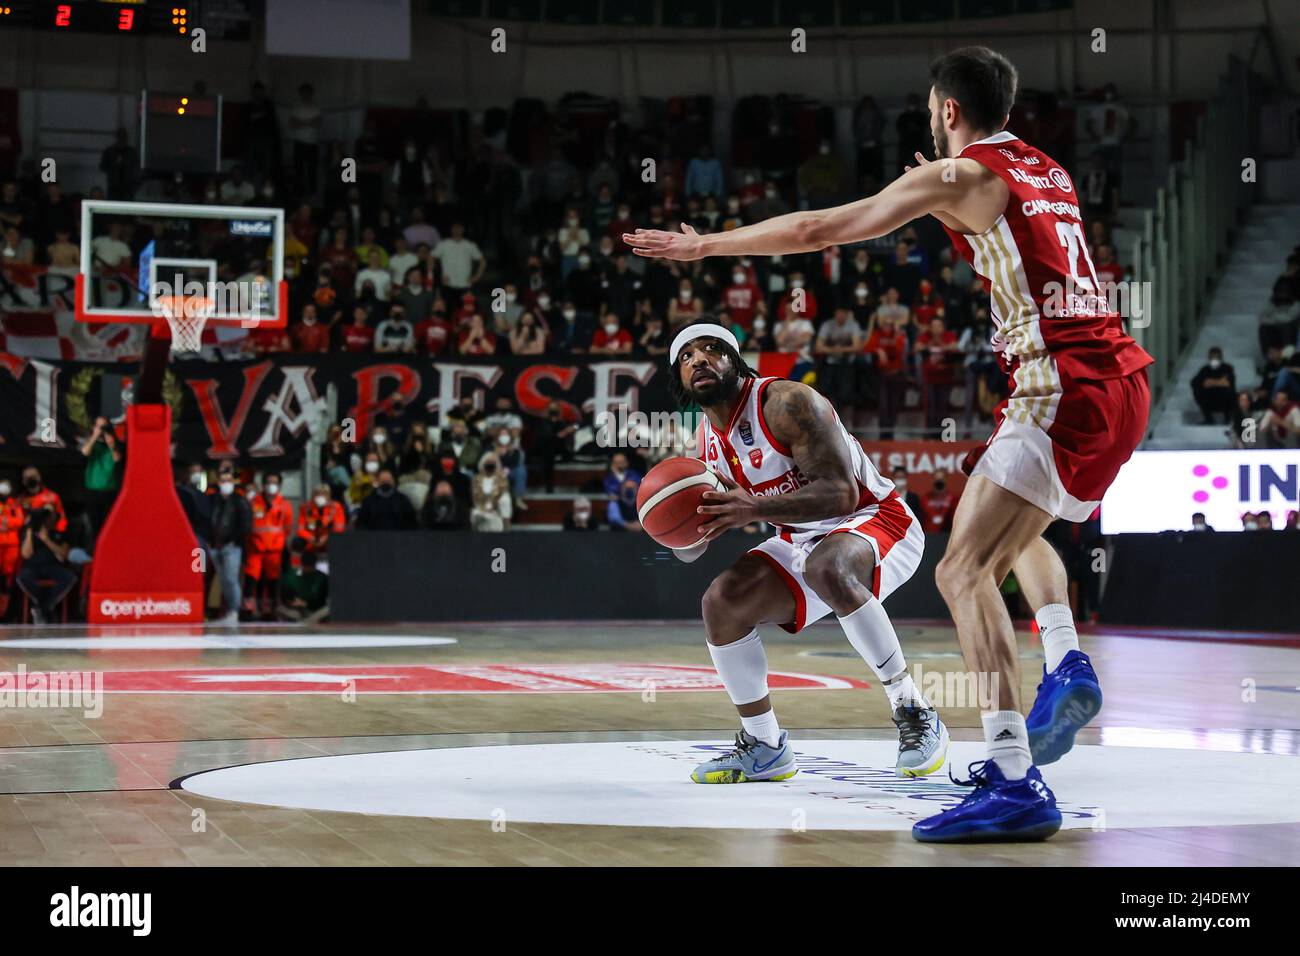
[[800, 602]]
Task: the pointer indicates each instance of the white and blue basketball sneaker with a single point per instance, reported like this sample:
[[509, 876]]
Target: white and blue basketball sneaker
[[922, 741], [1068, 698], [750, 761]]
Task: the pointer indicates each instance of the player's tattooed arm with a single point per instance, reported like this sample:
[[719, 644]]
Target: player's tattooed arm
[[804, 421]]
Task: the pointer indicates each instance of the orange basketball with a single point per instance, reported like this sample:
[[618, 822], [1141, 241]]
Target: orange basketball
[[668, 497]]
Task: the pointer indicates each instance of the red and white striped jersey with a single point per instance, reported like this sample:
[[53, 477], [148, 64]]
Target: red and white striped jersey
[[756, 460], [1051, 315]]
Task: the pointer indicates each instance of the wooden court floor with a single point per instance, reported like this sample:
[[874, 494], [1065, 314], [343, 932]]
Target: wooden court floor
[[1190, 763]]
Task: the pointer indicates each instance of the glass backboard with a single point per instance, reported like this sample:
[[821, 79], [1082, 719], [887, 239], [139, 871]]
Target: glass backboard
[[135, 256]]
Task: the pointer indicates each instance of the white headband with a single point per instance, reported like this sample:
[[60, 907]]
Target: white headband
[[693, 332]]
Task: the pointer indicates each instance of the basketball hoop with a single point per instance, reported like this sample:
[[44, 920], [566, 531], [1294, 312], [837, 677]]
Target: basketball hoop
[[186, 316]]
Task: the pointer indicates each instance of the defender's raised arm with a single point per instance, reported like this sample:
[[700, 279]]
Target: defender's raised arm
[[953, 189]]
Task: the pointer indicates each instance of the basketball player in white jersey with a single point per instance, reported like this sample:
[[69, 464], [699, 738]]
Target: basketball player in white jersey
[[1077, 409], [845, 540]]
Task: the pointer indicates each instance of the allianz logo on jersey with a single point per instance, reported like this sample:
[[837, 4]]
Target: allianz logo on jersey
[[1027, 160], [1055, 179]]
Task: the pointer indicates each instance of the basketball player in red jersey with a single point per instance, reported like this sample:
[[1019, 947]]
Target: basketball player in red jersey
[[1077, 409], [845, 541]]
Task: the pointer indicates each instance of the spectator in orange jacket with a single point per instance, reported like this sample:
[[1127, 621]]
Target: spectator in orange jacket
[[318, 519], [264, 556], [12, 519], [38, 496]]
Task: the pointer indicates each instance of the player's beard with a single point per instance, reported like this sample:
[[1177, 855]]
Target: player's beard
[[940, 137], [720, 390]]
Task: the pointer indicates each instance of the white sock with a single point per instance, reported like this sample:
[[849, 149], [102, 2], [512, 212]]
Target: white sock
[[1056, 628], [904, 691], [872, 635], [1008, 742], [764, 727]]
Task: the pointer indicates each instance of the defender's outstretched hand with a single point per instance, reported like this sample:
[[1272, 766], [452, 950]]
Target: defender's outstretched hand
[[658, 244]]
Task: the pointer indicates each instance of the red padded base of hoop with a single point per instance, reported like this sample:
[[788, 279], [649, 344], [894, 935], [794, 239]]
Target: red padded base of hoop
[[146, 556]]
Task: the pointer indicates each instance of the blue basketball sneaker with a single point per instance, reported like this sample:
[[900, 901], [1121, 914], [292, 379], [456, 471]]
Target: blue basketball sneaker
[[997, 809], [751, 761], [1067, 699]]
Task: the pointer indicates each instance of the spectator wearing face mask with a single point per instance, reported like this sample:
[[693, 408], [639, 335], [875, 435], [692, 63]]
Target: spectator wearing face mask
[[381, 443], [433, 335], [264, 557], [793, 334], [12, 519], [621, 484], [491, 496], [1215, 388], [38, 496], [584, 286], [1199, 523], [571, 238], [799, 301], [443, 510], [909, 496], [304, 589], [395, 334], [510, 454], [581, 517], [571, 333], [938, 506], [760, 339], [232, 521], [1250, 522], [318, 520], [363, 480], [386, 509], [191, 485], [611, 338], [686, 308], [552, 441], [309, 335], [44, 575], [413, 297], [741, 298]]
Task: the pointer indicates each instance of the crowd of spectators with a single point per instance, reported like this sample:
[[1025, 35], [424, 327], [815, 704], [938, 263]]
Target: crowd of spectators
[[1267, 414], [479, 239]]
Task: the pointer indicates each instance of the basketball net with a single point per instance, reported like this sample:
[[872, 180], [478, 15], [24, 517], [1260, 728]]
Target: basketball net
[[186, 316]]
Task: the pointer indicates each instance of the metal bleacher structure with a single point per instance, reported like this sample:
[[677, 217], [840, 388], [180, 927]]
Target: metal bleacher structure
[[1210, 252]]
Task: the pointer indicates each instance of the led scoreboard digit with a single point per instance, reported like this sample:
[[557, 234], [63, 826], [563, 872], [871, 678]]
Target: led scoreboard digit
[[123, 17]]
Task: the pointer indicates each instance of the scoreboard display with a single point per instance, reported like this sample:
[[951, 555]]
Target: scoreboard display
[[123, 17]]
